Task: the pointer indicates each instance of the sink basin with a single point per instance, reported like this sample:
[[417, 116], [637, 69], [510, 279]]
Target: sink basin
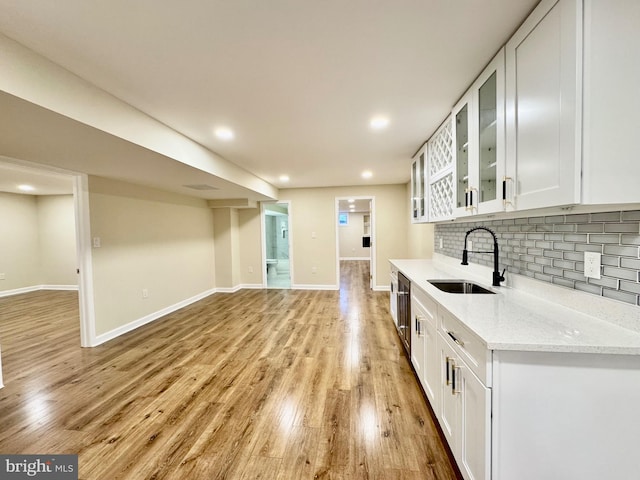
[[459, 286]]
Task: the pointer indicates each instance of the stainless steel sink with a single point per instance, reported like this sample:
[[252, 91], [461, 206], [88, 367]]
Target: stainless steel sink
[[459, 286]]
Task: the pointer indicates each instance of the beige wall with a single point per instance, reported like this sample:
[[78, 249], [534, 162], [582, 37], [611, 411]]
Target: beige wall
[[19, 257], [250, 237], [57, 240], [37, 241], [227, 247], [313, 211], [152, 240], [420, 235], [351, 237]]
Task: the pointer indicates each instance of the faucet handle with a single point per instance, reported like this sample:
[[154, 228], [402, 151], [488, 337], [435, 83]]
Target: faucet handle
[[502, 274]]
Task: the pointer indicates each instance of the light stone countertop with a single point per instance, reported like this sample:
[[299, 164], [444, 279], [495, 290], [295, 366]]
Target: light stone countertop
[[515, 320]]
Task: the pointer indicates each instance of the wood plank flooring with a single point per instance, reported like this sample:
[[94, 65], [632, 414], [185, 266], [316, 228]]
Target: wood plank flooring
[[272, 384]]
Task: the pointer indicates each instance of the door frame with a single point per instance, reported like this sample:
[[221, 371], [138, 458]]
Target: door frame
[[84, 262], [372, 222], [263, 239]]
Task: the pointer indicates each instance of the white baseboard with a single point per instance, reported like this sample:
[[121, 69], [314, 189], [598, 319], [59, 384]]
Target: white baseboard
[[229, 289], [314, 287], [252, 286], [58, 287], [367, 259], [35, 288], [116, 332], [382, 288]]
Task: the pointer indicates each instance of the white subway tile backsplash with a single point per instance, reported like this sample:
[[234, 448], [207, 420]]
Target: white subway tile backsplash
[[551, 249]]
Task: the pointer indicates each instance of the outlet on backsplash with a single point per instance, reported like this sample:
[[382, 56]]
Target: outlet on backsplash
[[592, 262]]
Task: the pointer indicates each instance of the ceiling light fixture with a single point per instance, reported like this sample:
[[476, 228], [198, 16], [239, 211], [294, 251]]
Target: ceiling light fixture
[[379, 122], [367, 174], [351, 200], [284, 178], [224, 133], [26, 188]]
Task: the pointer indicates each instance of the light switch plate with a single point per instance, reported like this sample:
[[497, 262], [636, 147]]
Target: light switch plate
[[592, 263]]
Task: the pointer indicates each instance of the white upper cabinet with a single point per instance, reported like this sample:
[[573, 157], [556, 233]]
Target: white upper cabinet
[[461, 135], [419, 198], [543, 109], [479, 132], [440, 168], [611, 101]]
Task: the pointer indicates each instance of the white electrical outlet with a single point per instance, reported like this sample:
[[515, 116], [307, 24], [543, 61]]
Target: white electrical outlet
[[592, 262], [250, 269], [314, 270], [2, 277], [441, 243], [145, 293], [96, 242]]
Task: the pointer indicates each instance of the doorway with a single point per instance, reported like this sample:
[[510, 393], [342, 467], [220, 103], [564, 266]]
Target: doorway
[[59, 213], [276, 245], [51, 181], [355, 233]]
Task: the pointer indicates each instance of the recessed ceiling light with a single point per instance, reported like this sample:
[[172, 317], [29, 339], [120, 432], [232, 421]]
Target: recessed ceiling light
[[367, 174], [284, 178], [26, 188], [351, 200], [224, 133], [379, 122]]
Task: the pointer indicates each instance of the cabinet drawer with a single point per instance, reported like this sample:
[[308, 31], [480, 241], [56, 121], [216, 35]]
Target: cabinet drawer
[[470, 348], [425, 306]]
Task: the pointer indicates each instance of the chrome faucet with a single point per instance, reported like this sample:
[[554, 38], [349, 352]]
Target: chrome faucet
[[497, 276]]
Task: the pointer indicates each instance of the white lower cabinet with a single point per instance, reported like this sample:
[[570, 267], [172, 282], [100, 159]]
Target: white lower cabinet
[[424, 353], [465, 414], [445, 369], [525, 415]]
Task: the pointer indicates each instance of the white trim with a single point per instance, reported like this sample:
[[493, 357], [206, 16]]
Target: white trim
[[59, 287], [18, 291], [35, 288], [251, 286], [356, 258], [235, 289], [85, 261], [314, 287], [116, 332], [382, 288]]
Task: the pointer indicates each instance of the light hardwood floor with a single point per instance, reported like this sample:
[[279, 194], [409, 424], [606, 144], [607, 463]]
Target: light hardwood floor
[[273, 384]]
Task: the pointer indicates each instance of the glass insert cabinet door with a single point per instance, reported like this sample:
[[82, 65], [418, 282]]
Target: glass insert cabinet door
[[418, 189], [488, 139], [462, 156]]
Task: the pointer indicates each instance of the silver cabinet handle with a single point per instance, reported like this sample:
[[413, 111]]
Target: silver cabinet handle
[[455, 389], [455, 339]]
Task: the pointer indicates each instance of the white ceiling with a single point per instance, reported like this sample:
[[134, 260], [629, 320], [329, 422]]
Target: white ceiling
[[298, 81]]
